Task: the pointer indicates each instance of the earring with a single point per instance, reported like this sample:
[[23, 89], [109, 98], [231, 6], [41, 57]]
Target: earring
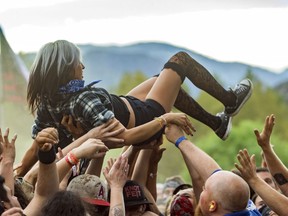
[[211, 206]]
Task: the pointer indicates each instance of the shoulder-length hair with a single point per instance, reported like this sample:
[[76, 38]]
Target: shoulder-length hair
[[54, 66]]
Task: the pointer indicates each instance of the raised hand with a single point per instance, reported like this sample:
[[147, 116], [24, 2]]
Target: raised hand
[[47, 138], [116, 173], [247, 165], [263, 138], [8, 147]]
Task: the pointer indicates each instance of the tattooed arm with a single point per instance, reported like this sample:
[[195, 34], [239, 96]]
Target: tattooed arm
[[272, 198], [116, 176], [274, 163]]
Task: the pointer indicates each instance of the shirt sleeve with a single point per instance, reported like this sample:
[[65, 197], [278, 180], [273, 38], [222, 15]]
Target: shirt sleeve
[[92, 109]]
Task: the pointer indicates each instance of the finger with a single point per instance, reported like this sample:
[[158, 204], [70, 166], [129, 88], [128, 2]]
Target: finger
[[111, 124], [117, 163], [110, 163], [46, 147], [238, 167], [102, 148], [107, 126], [240, 157], [64, 120], [61, 155], [6, 134], [53, 134], [41, 140], [1, 138], [100, 154], [253, 160], [257, 133], [161, 150], [79, 127], [115, 132], [189, 124], [17, 166], [105, 172], [13, 140], [50, 133], [114, 140], [70, 121], [122, 161], [187, 130], [246, 154]]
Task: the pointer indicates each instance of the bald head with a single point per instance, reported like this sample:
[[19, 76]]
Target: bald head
[[229, 190]]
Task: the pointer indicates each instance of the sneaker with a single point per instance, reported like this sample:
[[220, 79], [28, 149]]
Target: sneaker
[[242, 91], [224, 130]]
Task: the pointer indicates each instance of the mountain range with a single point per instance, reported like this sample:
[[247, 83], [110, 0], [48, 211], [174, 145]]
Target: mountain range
[[108, 63]]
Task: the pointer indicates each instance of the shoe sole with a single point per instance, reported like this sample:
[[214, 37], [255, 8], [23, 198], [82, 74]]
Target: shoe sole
[[244, 101], [229, 128]]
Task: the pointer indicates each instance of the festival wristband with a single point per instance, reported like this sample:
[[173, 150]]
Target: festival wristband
[[179, 140], [71, 159], [47, 157]]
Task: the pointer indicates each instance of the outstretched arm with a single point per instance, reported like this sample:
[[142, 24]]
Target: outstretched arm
[[275, 200], [90, 149], [275, 165], [194, 157], [145, 131], [8, 158], [116, 175], [48, 181]]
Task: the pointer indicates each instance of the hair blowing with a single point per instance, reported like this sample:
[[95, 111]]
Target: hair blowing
[[53, 67]]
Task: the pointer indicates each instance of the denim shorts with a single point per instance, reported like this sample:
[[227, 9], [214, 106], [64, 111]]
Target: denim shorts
[[146, 111]]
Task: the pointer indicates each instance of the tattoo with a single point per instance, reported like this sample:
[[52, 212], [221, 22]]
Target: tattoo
[[117, 210], [280, 178]]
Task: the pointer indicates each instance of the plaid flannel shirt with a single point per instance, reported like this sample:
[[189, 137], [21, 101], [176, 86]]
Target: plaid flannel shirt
[[86, 106]]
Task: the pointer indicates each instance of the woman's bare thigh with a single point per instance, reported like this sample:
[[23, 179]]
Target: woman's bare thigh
[[165, 89], [142, 89]]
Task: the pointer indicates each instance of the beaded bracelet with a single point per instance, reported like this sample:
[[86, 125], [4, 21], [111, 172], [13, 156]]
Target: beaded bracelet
[[179, 140]]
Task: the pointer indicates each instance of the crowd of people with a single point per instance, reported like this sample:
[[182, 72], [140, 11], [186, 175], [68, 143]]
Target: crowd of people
[[63, 172]]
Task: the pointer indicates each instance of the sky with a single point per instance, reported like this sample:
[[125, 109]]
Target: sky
[[253, 32]]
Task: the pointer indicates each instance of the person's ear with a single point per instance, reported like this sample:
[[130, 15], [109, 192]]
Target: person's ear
[[212, 206], [142, 208]]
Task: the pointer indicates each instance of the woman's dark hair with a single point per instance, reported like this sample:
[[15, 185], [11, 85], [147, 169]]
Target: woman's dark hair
[[3, 195], [64, 203], [21, 196], [3, 192]]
